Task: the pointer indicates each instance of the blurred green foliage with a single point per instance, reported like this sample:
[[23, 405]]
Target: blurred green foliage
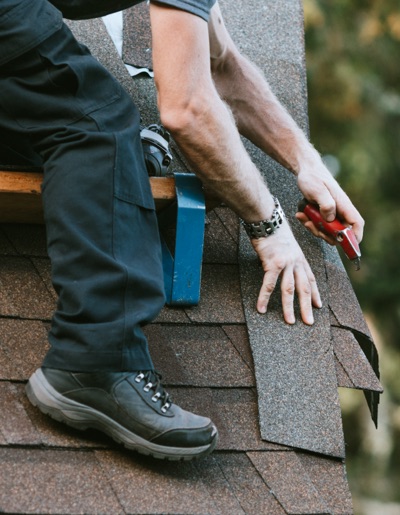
[[353, 65]]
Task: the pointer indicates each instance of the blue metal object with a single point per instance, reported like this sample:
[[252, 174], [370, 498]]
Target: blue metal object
[[182, 271]]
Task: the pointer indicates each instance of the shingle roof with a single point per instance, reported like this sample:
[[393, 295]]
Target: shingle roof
[[270, 388]]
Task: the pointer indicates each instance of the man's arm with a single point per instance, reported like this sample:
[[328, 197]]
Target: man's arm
[[264, 121], [203, 127], [200, 122]]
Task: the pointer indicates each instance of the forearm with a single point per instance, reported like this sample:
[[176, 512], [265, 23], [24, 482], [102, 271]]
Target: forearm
[[211, 143], [262, 119], [259, 116]]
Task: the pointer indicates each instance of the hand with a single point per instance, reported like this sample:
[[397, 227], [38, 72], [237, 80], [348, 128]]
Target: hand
[[281, 255], [318, 186]]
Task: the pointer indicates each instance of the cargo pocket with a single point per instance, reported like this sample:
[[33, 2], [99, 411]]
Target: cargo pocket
[[131, 181], [136, 240]]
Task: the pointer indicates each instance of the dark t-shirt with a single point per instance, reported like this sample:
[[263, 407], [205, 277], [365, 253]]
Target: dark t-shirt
[[26, 23], [79, 9]]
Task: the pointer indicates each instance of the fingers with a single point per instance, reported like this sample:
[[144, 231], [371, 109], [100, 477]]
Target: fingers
[[300, 280], [355, 220], [308, 224], [347, 214], [323, 190], [358, 229], [288, 287], [327, 206], [268, 286], [307, 292], [320, 189]]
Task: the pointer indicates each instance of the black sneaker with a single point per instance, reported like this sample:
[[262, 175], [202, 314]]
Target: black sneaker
[[132, 408]]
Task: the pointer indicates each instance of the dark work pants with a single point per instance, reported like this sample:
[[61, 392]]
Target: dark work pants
[[101, 226]]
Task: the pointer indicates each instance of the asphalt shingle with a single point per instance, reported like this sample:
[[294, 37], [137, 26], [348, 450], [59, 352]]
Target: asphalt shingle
[[233, 410], [15, 425], [136, 48], [329, 477], [54, 481], [28, 240], [23, 344], [284, 473], [5, 244], [220, 296], [197, 356], [239, 338], [220, 245], [17, 285], [143, 485], [254, 495], [354, 361]]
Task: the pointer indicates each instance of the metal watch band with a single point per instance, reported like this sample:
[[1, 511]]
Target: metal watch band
[[264, 228]]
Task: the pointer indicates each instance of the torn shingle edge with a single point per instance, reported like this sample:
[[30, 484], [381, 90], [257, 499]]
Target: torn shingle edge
[[349, 328]]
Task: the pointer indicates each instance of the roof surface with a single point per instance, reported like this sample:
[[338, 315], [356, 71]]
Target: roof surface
[[270, 388]]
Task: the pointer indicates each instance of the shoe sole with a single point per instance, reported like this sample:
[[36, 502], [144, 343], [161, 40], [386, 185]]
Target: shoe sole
[[42, 395]]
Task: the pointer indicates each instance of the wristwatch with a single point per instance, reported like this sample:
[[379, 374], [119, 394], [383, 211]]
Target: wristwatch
[[264, 228]]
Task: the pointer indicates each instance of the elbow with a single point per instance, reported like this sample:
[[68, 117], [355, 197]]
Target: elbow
[[182, 118], [176, 120]]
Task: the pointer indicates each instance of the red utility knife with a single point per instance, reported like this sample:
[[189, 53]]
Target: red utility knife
[[342, 234]]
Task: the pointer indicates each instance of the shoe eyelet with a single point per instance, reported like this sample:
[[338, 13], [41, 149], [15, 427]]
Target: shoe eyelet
[[156, 397], [147, 387], [165, 407], [139, 377]]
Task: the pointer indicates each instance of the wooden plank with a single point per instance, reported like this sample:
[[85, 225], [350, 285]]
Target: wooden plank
[[163, 188], [20, 195], [20, 182], [21, 201]]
